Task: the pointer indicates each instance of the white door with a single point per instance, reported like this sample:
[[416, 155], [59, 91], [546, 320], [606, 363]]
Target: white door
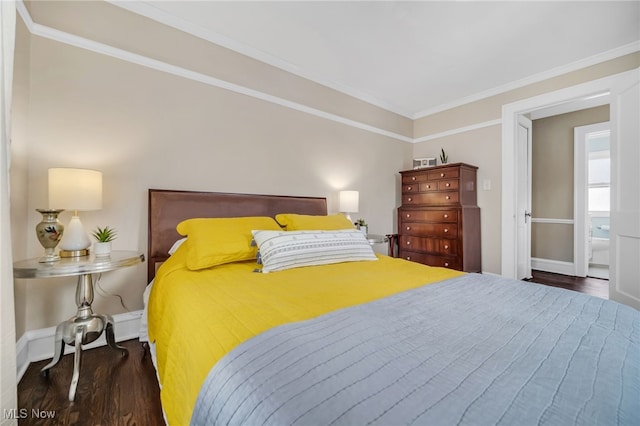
[[624, 268], [523, 202]]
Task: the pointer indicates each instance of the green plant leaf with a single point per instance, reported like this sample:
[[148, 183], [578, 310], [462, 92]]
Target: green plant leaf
[[104, 235]]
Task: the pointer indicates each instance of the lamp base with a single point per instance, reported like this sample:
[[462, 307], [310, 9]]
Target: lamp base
[[75, 242], [74, 253], [49, 256], [49, 233]]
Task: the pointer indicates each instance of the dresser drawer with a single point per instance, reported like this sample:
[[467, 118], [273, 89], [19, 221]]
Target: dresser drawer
[[447, 185], [444, 230], [428, 186], [430, 198], [410, 189], [447, 173], [431, 260], [444, 215], [414, 178], [429, 245]]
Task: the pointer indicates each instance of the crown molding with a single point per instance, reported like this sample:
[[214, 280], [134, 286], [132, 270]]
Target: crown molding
[[151, 12], [464, 129], [536, 78], [101, 48], [162, 17]]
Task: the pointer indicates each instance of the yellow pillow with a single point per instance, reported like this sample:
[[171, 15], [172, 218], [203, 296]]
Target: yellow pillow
[[215, 241], [303, 222]]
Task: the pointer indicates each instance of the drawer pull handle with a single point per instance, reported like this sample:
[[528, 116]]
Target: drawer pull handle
[[447, 197], [446, 263], [408, 228], [409, 189], [446, 230], [410, 199], [413, 178], [408, 215], [408, 257], [446, 215], [448, 185], [441, 174], [428, 186], [446, 247], [408, 243]]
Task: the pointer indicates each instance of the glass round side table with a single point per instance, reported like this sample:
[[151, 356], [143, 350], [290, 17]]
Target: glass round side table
[[85, 326], [377, 239]]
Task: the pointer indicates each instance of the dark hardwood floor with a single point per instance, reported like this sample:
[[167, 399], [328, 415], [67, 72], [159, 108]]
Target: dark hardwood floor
[[112, 390], [593, 286], [124, 391]]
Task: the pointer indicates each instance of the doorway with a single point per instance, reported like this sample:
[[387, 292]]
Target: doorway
[[624, 89], [560, 241]]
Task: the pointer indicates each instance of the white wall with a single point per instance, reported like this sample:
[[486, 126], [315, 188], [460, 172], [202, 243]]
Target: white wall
[[145, 128], [480, 148], [472, 133]]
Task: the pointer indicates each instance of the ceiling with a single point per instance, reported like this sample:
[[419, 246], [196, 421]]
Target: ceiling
[[415, 57]]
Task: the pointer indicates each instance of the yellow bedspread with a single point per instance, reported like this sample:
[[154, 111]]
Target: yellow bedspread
[[196, 317]]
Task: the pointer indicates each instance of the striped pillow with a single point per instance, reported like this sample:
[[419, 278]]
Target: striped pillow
[[280, 250]]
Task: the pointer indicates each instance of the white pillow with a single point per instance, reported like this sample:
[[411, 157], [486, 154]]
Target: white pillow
[[280, 250], [177, 244]]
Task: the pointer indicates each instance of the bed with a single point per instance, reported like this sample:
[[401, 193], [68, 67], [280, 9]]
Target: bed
[[364, 338]]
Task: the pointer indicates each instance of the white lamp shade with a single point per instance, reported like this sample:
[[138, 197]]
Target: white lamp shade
[[349, 201], [75, 189]]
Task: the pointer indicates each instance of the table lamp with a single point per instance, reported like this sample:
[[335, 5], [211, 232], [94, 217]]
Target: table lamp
[[49, 232], [349, 202], [77, 190]]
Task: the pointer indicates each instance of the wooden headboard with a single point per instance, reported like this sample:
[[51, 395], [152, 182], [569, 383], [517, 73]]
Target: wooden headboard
[[167, 208]]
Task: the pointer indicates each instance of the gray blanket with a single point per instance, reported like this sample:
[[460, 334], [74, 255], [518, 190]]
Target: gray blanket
[[478, 350]]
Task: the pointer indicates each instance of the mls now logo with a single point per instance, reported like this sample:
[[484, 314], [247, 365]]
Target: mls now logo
[[23, 413], [14, 413]]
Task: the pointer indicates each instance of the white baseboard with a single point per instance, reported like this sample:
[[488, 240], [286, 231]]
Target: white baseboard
[[36, 345], [554, 266]]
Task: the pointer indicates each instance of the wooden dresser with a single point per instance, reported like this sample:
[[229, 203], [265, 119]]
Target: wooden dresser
[[439, 220]]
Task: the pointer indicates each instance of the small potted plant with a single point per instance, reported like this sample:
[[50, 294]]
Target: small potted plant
[[103, 236], [362, 226], [443, 156]]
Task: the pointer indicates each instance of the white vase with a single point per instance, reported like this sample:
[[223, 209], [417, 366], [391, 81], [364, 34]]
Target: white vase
[[363, 229], [101, 249]]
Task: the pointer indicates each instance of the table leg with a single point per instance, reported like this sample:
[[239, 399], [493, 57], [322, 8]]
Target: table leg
[[393, 245], [57, 350], [111, 339], [82, 329], [76, 363]]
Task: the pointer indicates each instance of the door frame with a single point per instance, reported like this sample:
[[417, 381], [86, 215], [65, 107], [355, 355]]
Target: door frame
[[580, 206], [510, 113], [523, 197]]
